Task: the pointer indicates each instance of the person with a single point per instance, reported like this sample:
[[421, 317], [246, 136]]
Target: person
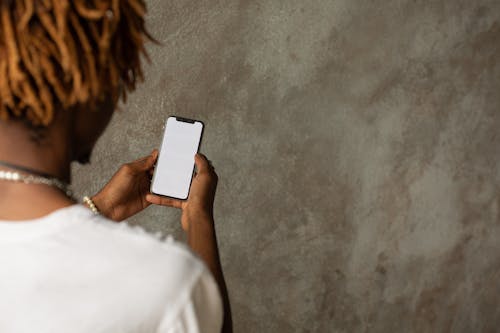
[[74, 267]]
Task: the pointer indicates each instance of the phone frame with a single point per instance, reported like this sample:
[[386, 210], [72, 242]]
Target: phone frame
[[185, 120]]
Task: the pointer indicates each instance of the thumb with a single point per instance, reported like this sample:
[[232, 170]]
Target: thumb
[[201, 163]]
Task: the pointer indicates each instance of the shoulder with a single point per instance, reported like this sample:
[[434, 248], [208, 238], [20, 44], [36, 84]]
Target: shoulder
[[131, 246]]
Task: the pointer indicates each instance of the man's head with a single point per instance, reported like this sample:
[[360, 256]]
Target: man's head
[[61, 56]]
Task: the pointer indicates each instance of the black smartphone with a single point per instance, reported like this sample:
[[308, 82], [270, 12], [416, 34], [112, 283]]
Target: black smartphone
[[175, 166]]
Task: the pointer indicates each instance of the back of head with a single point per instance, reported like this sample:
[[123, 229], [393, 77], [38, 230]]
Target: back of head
[[60, 54]]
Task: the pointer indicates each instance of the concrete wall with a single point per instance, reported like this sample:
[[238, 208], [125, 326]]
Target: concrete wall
[[358, 149]]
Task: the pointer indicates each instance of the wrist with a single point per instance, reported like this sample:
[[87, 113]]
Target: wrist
[[199, 216], [102, 206]]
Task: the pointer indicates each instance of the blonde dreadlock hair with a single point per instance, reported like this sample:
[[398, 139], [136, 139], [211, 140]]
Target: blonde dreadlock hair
[[60, 53]]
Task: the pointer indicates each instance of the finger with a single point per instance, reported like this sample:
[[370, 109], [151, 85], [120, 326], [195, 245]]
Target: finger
[[201, 162], [210, 164], [146, 162], [152, 158], [162, 201]]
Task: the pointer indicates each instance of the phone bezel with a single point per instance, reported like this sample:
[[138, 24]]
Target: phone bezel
[[185, 120]]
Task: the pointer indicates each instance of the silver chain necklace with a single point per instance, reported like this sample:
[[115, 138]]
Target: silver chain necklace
[[17, 177]]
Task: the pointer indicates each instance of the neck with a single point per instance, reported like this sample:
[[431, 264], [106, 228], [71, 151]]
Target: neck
[[51, 156]]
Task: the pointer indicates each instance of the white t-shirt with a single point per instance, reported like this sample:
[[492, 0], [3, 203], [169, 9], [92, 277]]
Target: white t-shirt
[[72, 271]]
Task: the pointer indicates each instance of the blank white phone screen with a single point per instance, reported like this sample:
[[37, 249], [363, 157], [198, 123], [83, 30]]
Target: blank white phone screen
[[175, 165]]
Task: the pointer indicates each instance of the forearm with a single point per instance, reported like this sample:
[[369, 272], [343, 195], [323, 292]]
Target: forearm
[[203, 241]]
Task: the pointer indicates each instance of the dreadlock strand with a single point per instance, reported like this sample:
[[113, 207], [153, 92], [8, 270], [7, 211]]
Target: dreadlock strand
[[90, 14], [31, 101], [15, 75], [113, 74], [5, 91], [102, 5], [27, 14], [94, 31], [115, 8], [136, 31], [30, 68], [104, 41], [54, 81], [33, 64], [47, 4], [60, 13], [48, 105], [138, 7], [101, 43], [93, 85], [127, 56], [90, 66], [27, 61], [49, 26], [78, 92]]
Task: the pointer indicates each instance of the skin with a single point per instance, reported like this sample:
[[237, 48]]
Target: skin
[[71, 137]]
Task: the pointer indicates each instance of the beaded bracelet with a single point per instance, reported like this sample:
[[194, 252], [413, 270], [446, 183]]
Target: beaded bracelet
[[91, 205]]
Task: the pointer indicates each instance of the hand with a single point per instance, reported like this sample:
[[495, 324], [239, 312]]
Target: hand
[[200, 202], [125, 194]]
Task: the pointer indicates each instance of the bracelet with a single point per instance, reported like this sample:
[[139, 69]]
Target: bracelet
[[91, 205]]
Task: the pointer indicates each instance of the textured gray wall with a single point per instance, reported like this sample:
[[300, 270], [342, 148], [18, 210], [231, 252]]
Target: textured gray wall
[[358, 149]]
